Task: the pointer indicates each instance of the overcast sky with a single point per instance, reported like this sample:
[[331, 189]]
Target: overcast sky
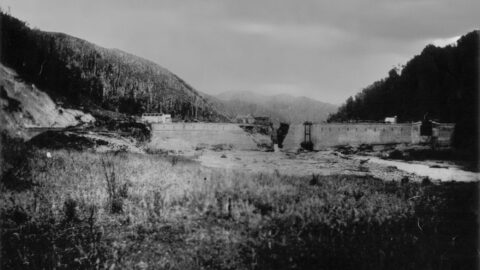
[[327, 50]]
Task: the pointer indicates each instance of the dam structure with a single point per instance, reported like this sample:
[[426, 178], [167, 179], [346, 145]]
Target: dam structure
[[335, 134], [198, 135], [185, 136]]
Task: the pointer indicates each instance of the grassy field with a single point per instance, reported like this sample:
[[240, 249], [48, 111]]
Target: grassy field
[[86, 210]]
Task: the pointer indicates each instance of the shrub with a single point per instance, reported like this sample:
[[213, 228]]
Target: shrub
[[307, 145], [396, 154], [174, 160], [64, 140], [123, 190], [426, 181], [44, 242], [13, 104], [70, 210], [14, 169], [314, 180], [116, 192]]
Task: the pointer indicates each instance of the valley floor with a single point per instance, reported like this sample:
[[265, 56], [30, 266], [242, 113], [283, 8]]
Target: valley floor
[[69, 209]]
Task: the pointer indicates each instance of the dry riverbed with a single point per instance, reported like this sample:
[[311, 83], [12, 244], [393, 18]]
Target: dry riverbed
[[331, 163]]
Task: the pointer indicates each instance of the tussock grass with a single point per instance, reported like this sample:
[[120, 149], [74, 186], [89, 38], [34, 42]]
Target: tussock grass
[[191, 217]]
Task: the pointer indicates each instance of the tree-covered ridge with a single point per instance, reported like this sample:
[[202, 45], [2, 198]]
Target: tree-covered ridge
[[81, 73], [440, 82]]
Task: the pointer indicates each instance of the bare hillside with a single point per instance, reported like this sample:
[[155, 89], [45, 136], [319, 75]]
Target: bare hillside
[[24, 106]]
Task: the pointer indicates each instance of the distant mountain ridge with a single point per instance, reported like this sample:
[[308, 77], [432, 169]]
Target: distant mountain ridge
[[281, 108], [82, 74]]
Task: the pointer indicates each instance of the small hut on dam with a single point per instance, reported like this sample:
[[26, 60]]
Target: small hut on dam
[[157, 118]]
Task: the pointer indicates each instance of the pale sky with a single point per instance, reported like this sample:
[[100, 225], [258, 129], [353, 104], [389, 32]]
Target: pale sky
[[327, 50]]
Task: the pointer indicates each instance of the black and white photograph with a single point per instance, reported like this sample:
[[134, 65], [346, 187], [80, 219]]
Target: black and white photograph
[[239, 134]]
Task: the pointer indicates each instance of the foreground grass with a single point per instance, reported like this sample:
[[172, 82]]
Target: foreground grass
[[88, 210]]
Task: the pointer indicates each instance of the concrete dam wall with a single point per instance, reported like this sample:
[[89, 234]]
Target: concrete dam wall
[[333, 134], [188, 136]]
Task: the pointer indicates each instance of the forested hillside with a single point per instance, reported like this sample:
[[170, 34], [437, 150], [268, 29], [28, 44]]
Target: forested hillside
[[440, 82], [79, 73]]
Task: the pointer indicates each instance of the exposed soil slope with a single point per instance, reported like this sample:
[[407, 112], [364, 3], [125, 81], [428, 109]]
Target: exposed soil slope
[[24, 106]]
